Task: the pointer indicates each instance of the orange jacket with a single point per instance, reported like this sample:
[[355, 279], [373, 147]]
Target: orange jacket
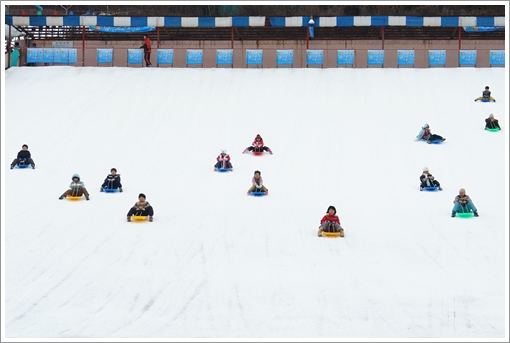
[[147, 45]]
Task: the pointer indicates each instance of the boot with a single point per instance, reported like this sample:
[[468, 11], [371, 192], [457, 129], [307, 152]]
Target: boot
[[453, 214], [61, 197], [476, 214], [150, 218], [101, 189], [244, 152], [269, 151], [320, 232], [87, 197], [128, 218], [120, 190], [341, 232], [12, 166]]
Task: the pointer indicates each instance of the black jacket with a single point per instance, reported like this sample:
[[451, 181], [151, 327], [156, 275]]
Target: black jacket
[[24, 154], [491, 124], [112, 182]]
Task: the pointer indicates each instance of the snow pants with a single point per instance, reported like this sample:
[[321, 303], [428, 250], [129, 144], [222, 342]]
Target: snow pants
[[27, 161], [330, 226], [136, 212], [76, 192], [457, 207]]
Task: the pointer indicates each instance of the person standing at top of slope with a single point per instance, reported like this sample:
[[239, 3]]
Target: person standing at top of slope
[[486, 95], [147, 50], [257, 146], [330, 222], [426, 135], [23, 157]]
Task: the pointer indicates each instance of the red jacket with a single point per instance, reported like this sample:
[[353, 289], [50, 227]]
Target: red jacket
[[258, 144], [148, 44], [225, 158], [328, 218]]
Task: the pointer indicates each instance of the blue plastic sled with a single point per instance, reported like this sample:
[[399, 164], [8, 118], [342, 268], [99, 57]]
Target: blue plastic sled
[[110, 190], [486, 101], [23, 165], [222, 170], [431, 189], [436, 141], [258, 194]]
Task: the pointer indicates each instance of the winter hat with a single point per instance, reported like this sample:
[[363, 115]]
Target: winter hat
[[24, 146], [331, 208], [76, 175], [223, 151], [113, 169], [490, 116], [256, 171], [425, 126], [142, 195], [425, 169], [462, 190]]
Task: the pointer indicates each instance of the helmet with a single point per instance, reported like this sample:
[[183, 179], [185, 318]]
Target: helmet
[[425, 126], [425, 169], [223, 151]]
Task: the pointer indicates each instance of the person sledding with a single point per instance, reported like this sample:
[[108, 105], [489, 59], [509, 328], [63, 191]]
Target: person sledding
[[486, 95], [223, 161], [257, 184], [330, 223], [428, 180], [426, 135], [463, 203], [24, 157], [76, 188], [141, 208], [491, 123], [258, 146], [112, 181]]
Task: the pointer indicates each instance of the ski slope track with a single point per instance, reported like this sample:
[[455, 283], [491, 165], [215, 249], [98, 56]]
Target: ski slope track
[[216, 263]]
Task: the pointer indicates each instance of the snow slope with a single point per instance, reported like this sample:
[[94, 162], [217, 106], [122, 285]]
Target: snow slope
[[216, 263]]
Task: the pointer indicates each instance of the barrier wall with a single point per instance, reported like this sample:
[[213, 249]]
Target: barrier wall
[[488, 53]]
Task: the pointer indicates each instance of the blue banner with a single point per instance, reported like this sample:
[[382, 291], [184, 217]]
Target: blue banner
[[375, 57], [254, 56], [405, 57], [467, 57], [497, 57], [135, 56], [345, 57], [224, 56], [57, 55], [195, 56], [48, 55], [121, 29], [71, 55], [35, 55], [314, 57], [165, 56], [482, 28], [437, 57], [284, 57], [104, 55]]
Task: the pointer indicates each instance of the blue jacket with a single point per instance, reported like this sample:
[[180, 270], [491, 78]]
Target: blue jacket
[[421, 134], [76, 185]]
